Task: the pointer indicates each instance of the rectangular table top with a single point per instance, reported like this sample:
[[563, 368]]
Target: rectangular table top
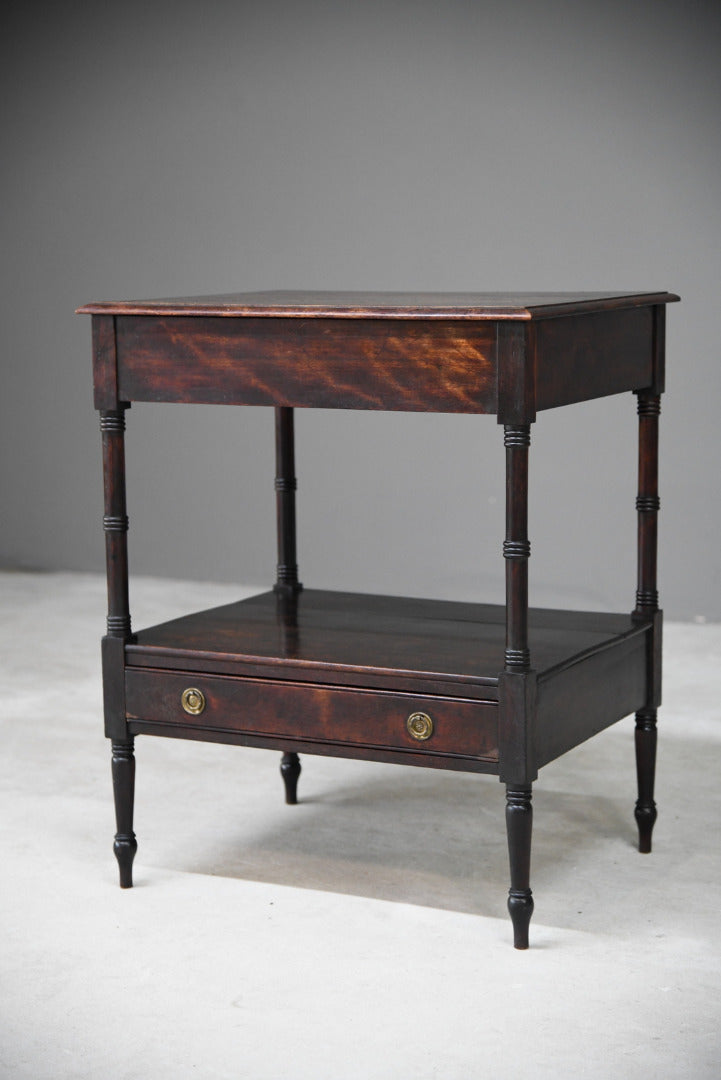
[[384, 305], [511, 354]]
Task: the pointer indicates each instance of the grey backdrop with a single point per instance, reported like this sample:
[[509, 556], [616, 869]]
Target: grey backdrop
[[162, 149]]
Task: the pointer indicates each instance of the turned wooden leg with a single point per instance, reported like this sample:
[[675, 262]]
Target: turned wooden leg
[[648, 505], [287, 586], [285, 488], [115, 526], [125, 845], [645, 771], [519, 826], [290, 771], [516, 678]]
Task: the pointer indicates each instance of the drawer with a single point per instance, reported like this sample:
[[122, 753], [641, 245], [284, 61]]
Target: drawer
[[320, 714]]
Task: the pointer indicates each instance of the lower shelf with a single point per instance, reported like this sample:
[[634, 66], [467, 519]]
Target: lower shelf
[[341, 673], [380, 642]]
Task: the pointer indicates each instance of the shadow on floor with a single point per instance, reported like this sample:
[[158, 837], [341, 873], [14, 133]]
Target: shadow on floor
[[412, 836]]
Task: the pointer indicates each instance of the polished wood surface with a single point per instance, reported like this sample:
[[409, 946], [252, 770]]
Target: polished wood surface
[[495, 689], [286, 581], [590, 669], [507, 354], [125, 844], [587, 356], [331, 715], [383, 305], [322, 363], [366, 638]]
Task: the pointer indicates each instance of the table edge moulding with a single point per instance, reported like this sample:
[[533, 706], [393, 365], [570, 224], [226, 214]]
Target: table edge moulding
[[498, 689]]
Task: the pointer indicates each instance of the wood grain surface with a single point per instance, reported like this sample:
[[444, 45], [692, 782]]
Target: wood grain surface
[[366, 364], [382, 305]]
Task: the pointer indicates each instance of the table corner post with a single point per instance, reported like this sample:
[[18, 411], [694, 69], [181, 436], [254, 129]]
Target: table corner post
[[287, 582], [517, 685], [647, 608], [287, 586], [118, 633]]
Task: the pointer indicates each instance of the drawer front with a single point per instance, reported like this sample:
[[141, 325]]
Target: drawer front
[[370, 718]]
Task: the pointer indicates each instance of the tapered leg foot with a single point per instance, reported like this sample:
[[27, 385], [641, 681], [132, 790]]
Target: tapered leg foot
[[125, 845], [290, 771], [645, 812], [519, 827]]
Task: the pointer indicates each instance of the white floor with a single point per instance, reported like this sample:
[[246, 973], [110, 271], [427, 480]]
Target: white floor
[[361, 934]]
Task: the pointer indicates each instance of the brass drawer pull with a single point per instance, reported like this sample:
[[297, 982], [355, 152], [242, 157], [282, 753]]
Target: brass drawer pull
[[193, 701], [419, 726]]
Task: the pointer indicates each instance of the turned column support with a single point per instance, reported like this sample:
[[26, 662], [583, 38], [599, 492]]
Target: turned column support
[[115, 521], [647, 506], [645, 811], [517, 684], [125, 845], [115, 527], [519, 828], [290, 771], [285, 488], [287, 585], [516, 547], [647, 503]]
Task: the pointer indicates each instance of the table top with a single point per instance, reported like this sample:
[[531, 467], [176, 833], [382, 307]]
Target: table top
[[385, 305], [511, 354]]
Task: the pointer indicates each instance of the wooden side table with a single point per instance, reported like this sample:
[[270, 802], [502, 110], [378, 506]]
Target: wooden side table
[[465, 686]]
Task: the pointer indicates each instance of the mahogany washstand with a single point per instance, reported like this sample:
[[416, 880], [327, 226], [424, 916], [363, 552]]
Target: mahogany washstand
[[465, 686]]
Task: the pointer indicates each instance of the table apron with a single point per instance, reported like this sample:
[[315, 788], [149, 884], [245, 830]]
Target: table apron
[[402, 365]]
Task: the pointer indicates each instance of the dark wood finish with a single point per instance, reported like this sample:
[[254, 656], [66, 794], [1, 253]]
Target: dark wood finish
[[287, 585], [647, 502], [592, 668], [592, 355], [125, 844], [517, 751], [654, 625], [658, 384], [519, 827], [428, 352], [424, 646], [516, 374], [383, 305], [115, 527], [285, 488], [420, 758], [516, 548], [645, 811], [647, 506], [290, 770], [589, 693], [115, 522], [105, 366], [327, 714], [113, 661], [508, 689], [324, 363]]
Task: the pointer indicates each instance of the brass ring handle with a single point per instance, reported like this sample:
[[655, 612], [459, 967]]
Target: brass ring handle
[[419, 726], [193, 701]]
